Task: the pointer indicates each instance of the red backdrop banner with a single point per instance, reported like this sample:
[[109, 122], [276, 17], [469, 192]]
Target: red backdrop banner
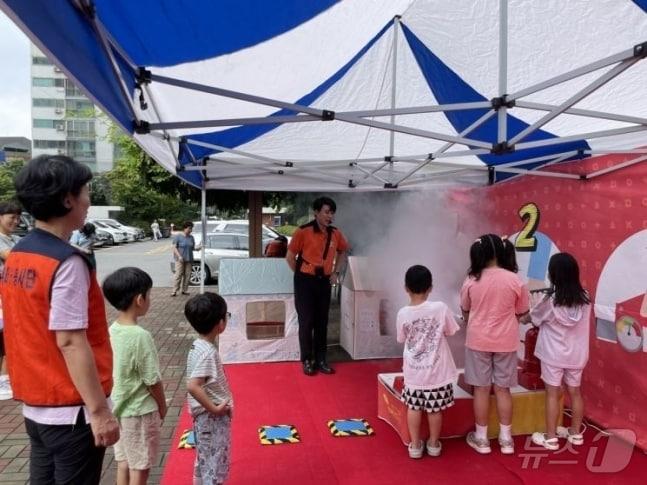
[[603, 223]]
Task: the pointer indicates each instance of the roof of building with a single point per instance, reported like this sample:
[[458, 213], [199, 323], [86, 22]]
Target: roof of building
[[15, 143]]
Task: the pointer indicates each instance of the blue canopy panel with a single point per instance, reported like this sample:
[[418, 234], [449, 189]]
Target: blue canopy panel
[[170, 32], [642, 4], [240, 135], [448, 87], [76, 50]]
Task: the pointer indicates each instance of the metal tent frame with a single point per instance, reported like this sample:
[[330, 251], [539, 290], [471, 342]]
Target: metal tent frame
[[393, 170]]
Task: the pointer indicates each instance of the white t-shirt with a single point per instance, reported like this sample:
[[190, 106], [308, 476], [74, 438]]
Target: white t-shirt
[[203, 361], [427, 359]]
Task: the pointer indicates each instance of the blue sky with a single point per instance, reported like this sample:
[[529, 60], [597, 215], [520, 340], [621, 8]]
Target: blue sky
[[15, 109]]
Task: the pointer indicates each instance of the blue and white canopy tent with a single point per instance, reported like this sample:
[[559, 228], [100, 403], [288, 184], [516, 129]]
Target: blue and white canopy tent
[[356, 95]]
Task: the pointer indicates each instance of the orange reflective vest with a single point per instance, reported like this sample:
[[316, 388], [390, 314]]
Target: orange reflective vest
[[37, 369]]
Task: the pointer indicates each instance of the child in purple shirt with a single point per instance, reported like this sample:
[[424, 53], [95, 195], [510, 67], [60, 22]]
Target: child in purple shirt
[[562, 346]]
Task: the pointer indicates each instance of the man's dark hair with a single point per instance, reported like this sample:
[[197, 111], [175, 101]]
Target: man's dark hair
[[205, 311], [10, 207], [418, 279], [88, 229], [44, 182], [187, 224], [124, 285], [321, 201]]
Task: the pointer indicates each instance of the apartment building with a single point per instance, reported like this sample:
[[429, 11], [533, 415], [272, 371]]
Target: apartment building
[[64, 120]]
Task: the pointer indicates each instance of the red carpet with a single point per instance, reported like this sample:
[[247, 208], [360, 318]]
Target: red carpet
[[278, 393]]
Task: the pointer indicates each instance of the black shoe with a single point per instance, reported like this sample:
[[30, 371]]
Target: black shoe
[[308, 368], [325, 368]]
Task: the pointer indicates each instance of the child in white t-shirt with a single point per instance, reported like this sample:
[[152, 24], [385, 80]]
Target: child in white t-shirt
[[429, 369]]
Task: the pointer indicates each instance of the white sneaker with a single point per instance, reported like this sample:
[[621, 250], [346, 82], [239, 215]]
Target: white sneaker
[[481, 446], [5, 389], [415, 452], [541, 439], [506, 446], [573, 438], [434, 450]]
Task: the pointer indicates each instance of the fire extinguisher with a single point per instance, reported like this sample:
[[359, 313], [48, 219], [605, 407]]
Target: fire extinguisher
[[530, 373]]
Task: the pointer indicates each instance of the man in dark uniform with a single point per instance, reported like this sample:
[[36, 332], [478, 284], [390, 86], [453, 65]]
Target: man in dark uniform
[[316, 253]]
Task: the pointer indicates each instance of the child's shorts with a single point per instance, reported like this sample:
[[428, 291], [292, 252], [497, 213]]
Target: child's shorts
[[553, 375], [429, 400], [484, 368], [213, 446], [139, 440]]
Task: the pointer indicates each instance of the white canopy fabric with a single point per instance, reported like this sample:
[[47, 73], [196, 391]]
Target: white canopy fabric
[[242, 95]]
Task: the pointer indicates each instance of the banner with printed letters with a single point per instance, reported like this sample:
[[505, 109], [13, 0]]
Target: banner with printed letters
[[603, 223]]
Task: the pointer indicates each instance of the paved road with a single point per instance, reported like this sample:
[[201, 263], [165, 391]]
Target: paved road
[[152, 256]]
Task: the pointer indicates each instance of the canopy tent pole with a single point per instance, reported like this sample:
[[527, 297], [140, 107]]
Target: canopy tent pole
[[325, 115], [265, 120], [414, 110], [255, 206], [586, 136], [619, 166], [394, 77], [107, 48], [583, 93], [502, 134], [445, 147], [281, 119], [637, 151], [165, 133], [545, 158], [582, 112], [203, 219], [567, 76]]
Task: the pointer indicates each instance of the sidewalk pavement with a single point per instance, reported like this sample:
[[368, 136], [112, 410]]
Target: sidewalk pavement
[[173, 337]]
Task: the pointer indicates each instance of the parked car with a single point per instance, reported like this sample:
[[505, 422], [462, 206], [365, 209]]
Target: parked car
[[25, 224], [102, 238], [237, 226], [134, 233], [117, 235], [219, 245]]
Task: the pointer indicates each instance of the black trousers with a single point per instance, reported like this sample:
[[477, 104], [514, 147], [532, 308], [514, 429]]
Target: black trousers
[[312, 302], [63, 454]]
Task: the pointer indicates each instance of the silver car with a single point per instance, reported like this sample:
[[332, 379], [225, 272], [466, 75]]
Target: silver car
[[219, 245]]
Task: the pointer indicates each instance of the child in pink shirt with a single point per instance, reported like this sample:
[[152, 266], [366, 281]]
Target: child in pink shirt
[[562, 346], [429, 369], [492, 300]]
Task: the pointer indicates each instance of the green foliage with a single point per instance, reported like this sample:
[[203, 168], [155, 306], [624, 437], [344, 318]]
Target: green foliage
[[144, 189], [8, 171], [286, 230], [147, 191], [100, 190]]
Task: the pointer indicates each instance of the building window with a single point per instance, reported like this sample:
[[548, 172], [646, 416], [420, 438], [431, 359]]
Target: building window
[[41, 61], [78, 108], [72, 91], [57, 124], [48, 103], [265, 320], [82, 149], [80, 129], [49, 144], [48, 82]]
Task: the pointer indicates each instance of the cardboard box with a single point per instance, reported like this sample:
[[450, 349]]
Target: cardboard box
[[367, 316], [528, 415]]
